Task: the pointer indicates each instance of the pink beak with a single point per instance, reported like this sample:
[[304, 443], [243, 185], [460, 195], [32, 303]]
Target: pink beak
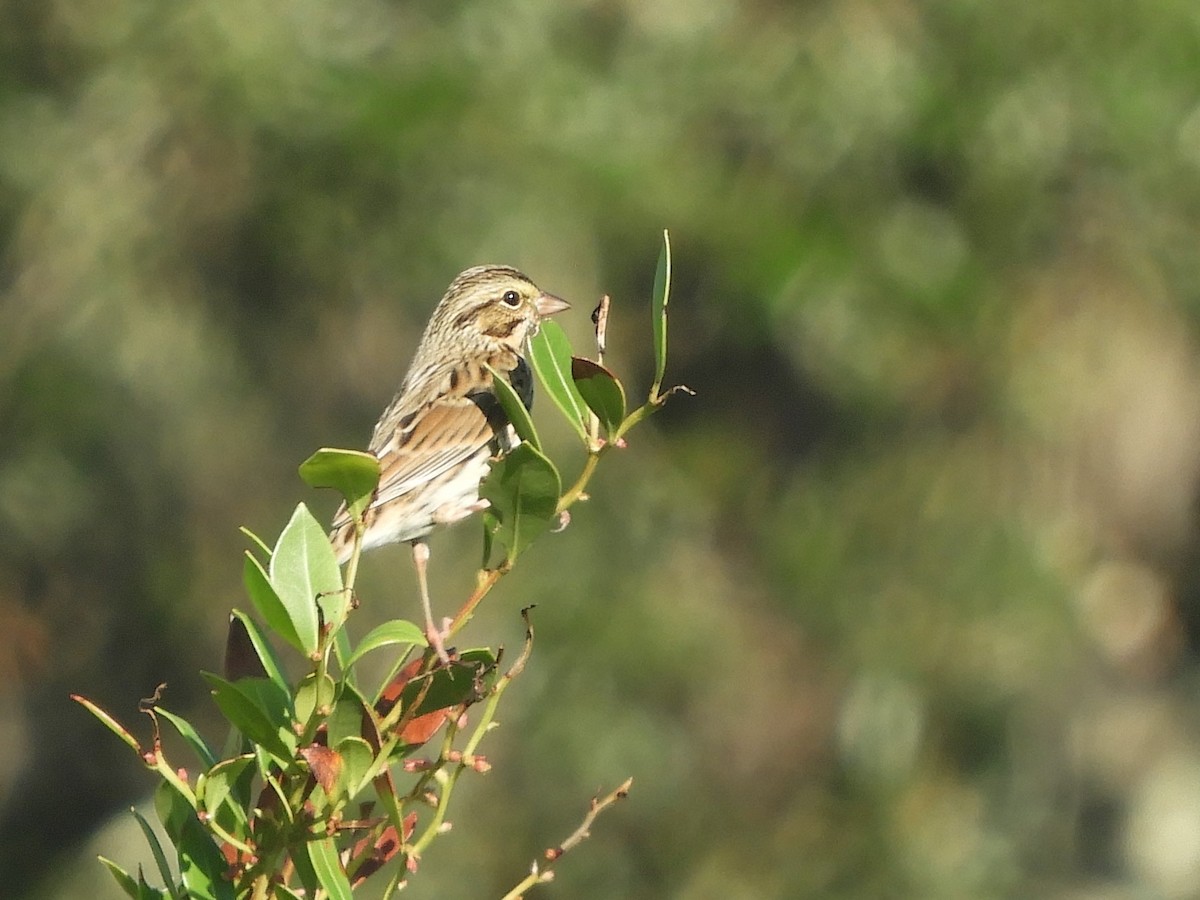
[[548, 305]]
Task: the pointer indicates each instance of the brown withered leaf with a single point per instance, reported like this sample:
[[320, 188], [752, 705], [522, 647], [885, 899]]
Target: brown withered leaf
[[421, 728], [325, 765]]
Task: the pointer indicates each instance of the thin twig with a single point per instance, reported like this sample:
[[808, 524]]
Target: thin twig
[[542, 873]]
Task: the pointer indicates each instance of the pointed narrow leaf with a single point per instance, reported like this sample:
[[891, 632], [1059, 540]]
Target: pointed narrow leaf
[[514, 409], [128, 883], [523, 489], [256, 540], [147, 891], [351, 473], [328, 868], [271, 608], [662, 292], [266, 653], [109, 722], [550, 355], [260, 711], [305, 574], [188, 732], [201, 864], [156, 850], [397, 631], [601, 391], [304, 871]]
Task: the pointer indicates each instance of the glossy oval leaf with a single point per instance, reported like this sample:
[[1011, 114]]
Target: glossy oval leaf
[[523, 489], [266, 601], [396, 631], [659, 300], [305, 574], [351, 473], [601, 391], [514, 409], [550, 355]]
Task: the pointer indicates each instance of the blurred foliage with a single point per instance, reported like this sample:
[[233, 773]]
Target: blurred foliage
[[907, 600]]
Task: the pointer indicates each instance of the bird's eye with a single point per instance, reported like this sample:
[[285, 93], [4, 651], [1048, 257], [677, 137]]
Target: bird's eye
[[511, 298]]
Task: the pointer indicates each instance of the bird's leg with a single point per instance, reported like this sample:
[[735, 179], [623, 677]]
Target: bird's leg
[[420, 552]]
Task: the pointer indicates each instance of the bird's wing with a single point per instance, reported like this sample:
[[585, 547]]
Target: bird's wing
[[419, 438], [433, 439]]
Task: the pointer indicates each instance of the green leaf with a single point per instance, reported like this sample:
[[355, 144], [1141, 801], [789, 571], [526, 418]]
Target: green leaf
[[156, 850], [109, 722], [357, 758], [601, 391], [550, 356], [256, 540], [313, 694], [188, 732], [305, 574], [219, 792], [135, 889], [396, 631], [270, 607], [260, 711], [304, 871], [351, 473], [523, 489], [341, 652], [662, 292], [328, 868], [346, 720], [201, 864], [126, 881], [513, 408], [266, 653], [450, 685]]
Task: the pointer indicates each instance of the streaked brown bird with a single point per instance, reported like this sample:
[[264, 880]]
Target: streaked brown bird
[[437, 438]]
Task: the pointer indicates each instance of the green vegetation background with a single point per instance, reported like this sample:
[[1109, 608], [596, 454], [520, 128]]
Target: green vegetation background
[[903, 604]]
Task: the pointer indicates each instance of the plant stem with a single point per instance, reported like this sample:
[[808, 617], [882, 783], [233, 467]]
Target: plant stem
[[487, 581], [573, 493], [540, 874]]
